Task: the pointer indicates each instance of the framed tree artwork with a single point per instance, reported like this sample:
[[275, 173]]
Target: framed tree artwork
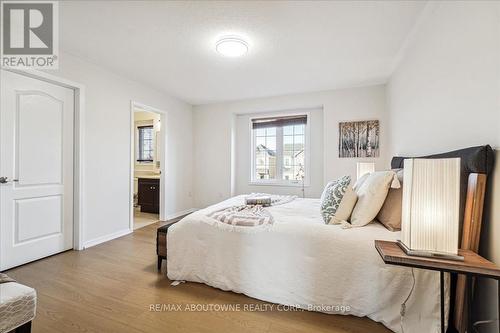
[[359, 138]]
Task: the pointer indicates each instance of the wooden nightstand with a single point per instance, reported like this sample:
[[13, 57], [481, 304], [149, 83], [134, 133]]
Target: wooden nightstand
[[473, 266]]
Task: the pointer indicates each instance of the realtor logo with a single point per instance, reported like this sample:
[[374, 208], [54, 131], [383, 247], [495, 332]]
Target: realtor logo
[[29, 34]]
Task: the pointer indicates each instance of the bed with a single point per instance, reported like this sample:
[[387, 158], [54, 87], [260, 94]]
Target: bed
[[302, 262]]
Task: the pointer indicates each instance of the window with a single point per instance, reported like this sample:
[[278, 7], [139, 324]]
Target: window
[[279, 149], [146, 144]]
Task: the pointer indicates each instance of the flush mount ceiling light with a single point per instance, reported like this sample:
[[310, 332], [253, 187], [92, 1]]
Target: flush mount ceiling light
[[231, 47]]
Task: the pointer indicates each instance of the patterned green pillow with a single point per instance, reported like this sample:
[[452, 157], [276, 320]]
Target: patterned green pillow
[[332, 196]]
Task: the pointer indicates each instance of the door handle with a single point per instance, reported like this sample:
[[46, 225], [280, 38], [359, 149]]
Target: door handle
[[5, 180]]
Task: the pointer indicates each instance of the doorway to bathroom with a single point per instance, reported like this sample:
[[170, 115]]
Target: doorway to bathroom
[[147, 151]]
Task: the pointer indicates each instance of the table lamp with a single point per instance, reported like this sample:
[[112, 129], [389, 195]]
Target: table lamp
[[364, 168], [430, 211]]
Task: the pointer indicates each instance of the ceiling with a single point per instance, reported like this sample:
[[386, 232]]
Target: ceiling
[[294, 46]]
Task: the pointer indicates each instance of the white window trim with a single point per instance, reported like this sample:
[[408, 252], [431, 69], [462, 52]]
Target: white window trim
[[279, 152]]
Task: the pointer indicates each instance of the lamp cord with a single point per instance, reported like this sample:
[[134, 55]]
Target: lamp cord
[[481, 322], [403, 310], [403, 305]]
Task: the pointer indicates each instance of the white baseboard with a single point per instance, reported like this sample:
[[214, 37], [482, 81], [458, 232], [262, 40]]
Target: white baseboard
[[106, 238], [181, 213]]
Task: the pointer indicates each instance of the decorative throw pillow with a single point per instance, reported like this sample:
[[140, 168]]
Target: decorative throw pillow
[[360, 181], [346, 206], [371, 196], [332, 196], [391, 211]]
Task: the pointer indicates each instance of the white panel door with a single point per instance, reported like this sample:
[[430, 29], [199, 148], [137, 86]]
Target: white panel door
[[36, 166]]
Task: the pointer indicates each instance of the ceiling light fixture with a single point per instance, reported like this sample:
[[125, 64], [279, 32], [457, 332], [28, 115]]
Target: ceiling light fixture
[[231, 47]]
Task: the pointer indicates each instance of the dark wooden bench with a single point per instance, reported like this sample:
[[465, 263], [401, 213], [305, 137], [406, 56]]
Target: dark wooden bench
[[161, 242], [26, 328]]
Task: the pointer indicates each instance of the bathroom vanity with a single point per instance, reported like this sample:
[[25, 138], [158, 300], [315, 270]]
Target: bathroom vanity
[[148, 194]]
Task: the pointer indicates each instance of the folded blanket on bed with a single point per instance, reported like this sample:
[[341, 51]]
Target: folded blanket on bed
[[252, 213], [4, 279], [248, 216], [274, 198], [261, 201]]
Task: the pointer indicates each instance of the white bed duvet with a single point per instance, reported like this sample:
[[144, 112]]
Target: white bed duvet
[[300, 261]]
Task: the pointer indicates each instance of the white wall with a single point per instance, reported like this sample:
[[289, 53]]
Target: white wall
[[214, 127], [107, 146], [445, 94]]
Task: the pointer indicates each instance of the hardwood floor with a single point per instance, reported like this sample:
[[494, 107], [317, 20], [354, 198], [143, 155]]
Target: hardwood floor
[[110, 288]]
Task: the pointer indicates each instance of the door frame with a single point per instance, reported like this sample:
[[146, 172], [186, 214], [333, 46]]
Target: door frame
[[163, 148], [78, 146]]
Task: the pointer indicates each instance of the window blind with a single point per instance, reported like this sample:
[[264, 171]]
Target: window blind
[[279, 121]]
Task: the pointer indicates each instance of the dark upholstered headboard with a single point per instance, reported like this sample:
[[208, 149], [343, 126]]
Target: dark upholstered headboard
[[473, 160], [478, 159]]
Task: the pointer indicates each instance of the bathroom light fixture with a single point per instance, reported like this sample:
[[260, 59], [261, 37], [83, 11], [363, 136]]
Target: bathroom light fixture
[[231, 46]]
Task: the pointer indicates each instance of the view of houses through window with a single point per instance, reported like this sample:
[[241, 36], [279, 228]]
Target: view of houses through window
[[279, 150], [293, 152], [265, 153]]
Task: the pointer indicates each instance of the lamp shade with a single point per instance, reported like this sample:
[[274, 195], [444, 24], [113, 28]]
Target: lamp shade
[[430, 212], [364, 168]]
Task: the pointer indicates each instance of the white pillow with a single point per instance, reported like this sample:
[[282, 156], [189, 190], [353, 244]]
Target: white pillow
[[360, 181], [346, 206], [371, 196]]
